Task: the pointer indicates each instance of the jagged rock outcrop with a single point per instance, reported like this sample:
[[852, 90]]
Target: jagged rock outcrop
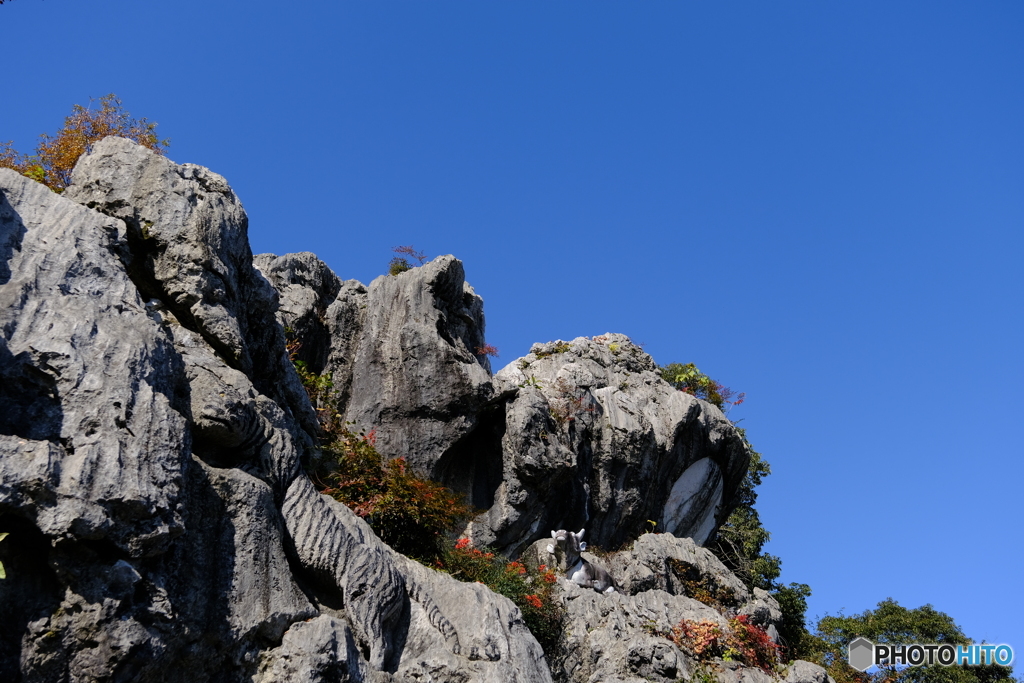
[[593, 437], [151, 437], [153, 431], [581, 433], [663, 580], [403, 352]]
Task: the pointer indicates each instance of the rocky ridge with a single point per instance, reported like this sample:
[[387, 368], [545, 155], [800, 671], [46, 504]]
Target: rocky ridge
[[153, 430]]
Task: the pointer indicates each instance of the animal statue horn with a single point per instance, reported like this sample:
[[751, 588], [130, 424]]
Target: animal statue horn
[[579, 570]]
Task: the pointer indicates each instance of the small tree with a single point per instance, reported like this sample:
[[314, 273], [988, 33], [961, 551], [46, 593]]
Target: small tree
[[57, 155], [892, 623], [690, 379], [400, 264]]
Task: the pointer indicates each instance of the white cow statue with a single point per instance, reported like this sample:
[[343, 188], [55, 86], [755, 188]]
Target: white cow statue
[[578, 570]]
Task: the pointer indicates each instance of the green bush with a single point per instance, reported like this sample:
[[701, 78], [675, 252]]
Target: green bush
[[400, 264], [690, 379], [892, 623]]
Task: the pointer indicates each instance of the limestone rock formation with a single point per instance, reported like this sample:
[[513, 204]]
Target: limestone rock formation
[[403, 353], [581, 433], [664, 580], [593, 437], [151, 434]]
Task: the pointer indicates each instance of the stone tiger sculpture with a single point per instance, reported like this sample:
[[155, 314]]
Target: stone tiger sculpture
[[244, 428]]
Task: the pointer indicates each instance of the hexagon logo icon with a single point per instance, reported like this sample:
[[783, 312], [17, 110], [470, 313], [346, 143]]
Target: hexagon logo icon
[[862, 653]]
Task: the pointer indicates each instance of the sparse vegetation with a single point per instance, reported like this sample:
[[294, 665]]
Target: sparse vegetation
[[701, 587], [411, 514], [559, 347], [55, 156], [400, 264], [742, 641], [690, 379], [532, 590], [487, 350], [569, 402]]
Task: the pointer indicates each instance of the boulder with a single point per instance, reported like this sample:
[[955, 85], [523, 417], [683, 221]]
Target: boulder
[[593, 437]]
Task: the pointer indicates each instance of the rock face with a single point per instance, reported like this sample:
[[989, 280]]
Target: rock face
[[150, 438], [663, 580], [403, 352], [153, 430], [575, 434], [595, 438]]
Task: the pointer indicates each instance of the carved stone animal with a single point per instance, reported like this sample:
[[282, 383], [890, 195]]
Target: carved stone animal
[[577, 569]]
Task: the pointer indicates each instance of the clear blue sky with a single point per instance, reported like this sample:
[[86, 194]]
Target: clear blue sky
[[818, 203]]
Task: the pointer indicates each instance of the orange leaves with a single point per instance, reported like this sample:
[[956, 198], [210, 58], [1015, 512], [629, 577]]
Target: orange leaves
[[532, 590], [57, 155]]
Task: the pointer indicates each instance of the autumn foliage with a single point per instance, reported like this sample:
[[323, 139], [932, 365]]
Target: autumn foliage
[[742, 641], [56, 155], [532, 589], [411, 514]]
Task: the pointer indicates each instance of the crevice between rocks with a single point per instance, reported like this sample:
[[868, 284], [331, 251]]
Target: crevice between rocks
[[473, 466]]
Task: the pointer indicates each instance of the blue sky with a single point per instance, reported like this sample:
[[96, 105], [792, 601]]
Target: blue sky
[[818, 203]]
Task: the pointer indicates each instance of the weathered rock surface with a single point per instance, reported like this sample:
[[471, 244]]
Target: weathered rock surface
[[153, 430], [594, 438], [402, 353], [581, 433], [664, 580], [151, 433]]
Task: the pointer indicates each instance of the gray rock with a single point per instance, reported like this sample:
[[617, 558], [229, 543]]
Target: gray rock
[[321, 650], [416, 375], [188, 247], [305, 287], [734, 672], [402, 353], [619, 637], [129, 553], [576, 434], [594, 438], [664, 562], [160, 524], [806, 672], [94, 445], [764, 611]]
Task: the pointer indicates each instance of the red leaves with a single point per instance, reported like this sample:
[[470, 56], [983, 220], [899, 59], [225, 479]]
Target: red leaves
[[487, 350], [744, 641]]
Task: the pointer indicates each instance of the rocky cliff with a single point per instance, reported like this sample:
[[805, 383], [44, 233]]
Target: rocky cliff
[[153, 433]]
